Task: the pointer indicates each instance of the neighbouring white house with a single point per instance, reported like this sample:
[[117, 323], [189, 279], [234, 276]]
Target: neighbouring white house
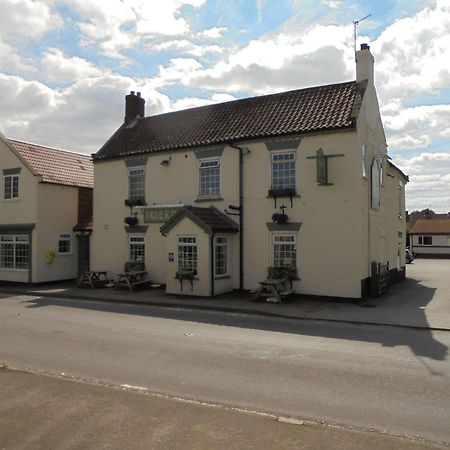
[[431, 237], [226, 193], [45, 212]]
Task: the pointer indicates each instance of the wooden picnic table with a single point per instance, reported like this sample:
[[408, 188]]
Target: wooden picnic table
[[275, 289], [132, 279], [93, 278]]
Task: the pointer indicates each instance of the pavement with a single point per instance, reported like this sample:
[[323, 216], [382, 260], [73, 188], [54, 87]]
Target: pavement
[[42, 412], [421, 301]]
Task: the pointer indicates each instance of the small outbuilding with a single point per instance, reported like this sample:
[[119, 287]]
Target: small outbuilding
[[431, 237]]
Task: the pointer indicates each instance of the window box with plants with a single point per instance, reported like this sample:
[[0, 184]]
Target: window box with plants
[[289, 272], [188, 275]]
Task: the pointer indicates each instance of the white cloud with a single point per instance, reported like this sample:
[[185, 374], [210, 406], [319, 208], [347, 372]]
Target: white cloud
[[185, 46], [27, 19], [117, 25], [10, 59], [334, 4], [413, 54], [178, 69], [429, 184], [79, 118], [61, 68], [193, 102], [296, 71], [212, 33], [418, 126]]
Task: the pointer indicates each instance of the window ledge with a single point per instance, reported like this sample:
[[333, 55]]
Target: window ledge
[[135, 202], [279, 196], [222, 277], [13, 270], [288, 192], [208, 199]]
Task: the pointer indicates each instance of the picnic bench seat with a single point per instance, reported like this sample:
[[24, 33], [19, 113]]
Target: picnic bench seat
[[132, 279], [93, 279]]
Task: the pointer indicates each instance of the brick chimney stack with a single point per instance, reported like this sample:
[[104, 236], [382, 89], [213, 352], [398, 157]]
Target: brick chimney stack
[[134, 107], [364, 64]]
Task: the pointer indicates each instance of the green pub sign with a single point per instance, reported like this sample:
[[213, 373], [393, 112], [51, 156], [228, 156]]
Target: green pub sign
[[322, 167], [159, 215]]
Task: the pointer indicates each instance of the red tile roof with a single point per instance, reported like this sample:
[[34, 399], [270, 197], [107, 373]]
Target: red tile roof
[[56, 166], [431, 226], [331, 107]]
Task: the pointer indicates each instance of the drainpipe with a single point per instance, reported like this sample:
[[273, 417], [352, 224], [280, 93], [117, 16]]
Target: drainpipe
[[241, 215], [212, 263]]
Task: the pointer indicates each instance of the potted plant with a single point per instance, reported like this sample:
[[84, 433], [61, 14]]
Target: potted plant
[[290, 271]]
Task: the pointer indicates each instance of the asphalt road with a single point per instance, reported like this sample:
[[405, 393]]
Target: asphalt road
[[392, 379], [46, 412]]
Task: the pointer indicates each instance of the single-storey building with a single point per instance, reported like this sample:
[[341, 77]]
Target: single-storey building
[[215, 198], [431, 237], [45, 212]]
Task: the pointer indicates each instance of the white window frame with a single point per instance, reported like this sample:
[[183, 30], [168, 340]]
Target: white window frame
[[222, 245], [364, 160], [136, 240], [400, 199], [203, 164], [375, 188], [188, 241], [16, 240], [273, 155], [421, 239], [130, 174], [12, 177], [274, 236], [65, 237]]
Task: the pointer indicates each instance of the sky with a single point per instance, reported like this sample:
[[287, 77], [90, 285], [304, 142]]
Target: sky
[[66, 66]]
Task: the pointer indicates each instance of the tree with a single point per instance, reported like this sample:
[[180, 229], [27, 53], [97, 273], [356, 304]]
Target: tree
[[423, 214]]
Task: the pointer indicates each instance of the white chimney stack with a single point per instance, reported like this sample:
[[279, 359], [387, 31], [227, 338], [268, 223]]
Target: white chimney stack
[[364, 64]]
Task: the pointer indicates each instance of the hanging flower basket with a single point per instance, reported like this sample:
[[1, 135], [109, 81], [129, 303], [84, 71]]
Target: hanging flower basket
[[131, 221], [280, 218]]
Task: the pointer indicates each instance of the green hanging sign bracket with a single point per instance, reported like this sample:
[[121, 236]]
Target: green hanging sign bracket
[[322, 166]]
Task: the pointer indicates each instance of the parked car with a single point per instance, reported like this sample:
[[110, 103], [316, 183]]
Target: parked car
[[409, 256]]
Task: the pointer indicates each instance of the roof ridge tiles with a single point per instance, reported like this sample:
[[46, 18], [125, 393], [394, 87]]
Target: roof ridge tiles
[[279, 114], [49, 148]]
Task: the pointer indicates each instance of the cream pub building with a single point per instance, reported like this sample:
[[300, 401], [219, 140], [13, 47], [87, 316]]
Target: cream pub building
[[221, 193]]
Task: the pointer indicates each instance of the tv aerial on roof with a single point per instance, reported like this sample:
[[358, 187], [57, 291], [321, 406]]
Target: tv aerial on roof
[[355, 25]]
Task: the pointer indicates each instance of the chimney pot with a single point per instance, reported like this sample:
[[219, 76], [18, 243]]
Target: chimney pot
[[138, 94], [134, 107], [365, 47]]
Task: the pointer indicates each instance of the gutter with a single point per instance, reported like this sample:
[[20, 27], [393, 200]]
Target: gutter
[[241, 215], [212, 263]]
